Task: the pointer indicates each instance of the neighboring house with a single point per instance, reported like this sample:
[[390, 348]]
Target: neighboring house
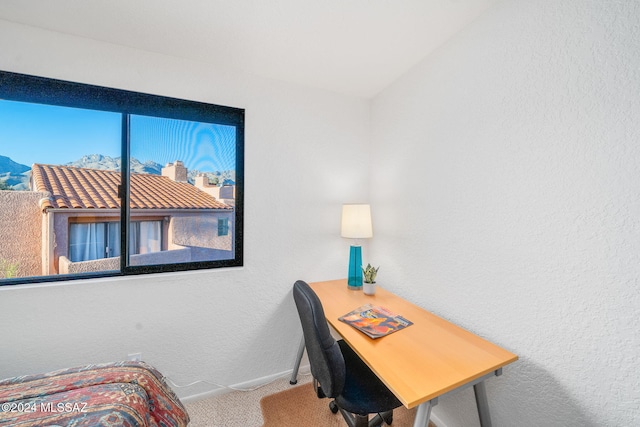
[[171, 220]]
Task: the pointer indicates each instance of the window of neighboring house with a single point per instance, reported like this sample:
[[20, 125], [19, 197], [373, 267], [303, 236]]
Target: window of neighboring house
[[223, 226], [145, 237], [97, 240], [94, 240], [136, 183]]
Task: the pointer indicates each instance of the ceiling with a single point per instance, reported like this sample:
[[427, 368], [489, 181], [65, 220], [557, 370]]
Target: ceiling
[[353, 47]]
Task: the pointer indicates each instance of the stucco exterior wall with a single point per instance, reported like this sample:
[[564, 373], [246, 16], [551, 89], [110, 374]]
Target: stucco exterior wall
[[201, 230], [21, 232], [165, 257], [104, 264], [107, 264]]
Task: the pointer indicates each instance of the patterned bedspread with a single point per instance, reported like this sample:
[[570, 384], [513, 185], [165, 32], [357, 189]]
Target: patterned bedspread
[[113, 394]]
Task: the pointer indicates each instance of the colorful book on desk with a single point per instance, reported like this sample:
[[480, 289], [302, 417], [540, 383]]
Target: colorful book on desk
[[375, 321]]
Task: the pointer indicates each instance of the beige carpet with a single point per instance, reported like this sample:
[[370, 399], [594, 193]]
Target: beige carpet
[[243, 408], [300, 406], [238, 408]]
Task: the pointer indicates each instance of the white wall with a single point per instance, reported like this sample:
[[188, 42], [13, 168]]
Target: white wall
[[224, 326], [506, 198]]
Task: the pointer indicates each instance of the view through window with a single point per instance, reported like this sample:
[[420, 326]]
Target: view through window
[[66, 207]]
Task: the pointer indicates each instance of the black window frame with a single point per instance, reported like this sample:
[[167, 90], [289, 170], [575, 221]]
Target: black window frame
[[43, 90]]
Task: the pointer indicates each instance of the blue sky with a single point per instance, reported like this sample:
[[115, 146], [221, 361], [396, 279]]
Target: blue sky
[[35, 133], [201, 146]]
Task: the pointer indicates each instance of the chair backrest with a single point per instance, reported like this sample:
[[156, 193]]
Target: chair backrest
[[325, 357]]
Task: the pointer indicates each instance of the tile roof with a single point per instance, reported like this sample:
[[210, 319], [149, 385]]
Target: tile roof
[[81, 188]]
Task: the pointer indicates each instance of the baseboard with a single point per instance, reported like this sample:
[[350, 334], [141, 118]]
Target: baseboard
[[437, 421], [244, 386]]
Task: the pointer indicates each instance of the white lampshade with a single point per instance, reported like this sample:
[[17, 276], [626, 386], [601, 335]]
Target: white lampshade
[[356, 221]]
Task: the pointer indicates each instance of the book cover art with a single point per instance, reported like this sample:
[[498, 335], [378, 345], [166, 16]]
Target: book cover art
[[375, 321]]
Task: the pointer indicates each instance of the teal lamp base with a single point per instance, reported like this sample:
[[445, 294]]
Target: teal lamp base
[[354, 279]]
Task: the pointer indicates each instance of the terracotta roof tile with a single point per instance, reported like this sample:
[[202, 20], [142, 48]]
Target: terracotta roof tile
[[82, 188]]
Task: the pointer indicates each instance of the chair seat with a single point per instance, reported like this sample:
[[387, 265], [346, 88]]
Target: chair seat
[[363, 391]]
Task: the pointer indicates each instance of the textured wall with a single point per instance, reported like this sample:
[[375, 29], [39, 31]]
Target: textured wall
[[65, 266], [201, 230], [21, 231], [107, 264], [506, 197]]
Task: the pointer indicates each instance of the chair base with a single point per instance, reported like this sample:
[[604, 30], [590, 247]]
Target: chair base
[[356, 420]]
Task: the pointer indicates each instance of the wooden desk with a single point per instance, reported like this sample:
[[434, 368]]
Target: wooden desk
[[422, 362]]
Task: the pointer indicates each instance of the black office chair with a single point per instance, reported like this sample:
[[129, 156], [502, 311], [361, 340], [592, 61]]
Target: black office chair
[[337, 370]]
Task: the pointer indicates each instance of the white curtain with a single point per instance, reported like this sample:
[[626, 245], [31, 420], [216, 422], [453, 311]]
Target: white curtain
[[94, 241], [86, 241], [102, 239], [146, 237], [113, 243]]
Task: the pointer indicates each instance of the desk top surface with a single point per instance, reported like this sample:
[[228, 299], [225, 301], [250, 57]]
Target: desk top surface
[[418, 363]]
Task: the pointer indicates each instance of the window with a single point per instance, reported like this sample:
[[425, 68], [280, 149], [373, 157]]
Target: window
[[97, 181], [94, 240], [145, 237], [223, 227], [97, 240]]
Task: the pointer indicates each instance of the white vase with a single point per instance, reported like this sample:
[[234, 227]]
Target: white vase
[[369, 288]]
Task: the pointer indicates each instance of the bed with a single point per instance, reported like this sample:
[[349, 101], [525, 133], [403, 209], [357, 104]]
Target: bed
[[119, 394]]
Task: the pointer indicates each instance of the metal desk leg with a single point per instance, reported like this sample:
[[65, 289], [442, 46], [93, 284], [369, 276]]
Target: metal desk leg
[[424, 413], [483, 404], [296, 366]]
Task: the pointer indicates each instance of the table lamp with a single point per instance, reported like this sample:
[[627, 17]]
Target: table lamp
[[356, 224]]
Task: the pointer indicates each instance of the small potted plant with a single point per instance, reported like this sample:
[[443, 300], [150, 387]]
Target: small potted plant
[[369, 272]]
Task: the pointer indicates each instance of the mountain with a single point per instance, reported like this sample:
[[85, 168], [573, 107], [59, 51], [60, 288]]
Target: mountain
[[14, 175], [17, 176], [101, 162], [96, 161], [9, 166]]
